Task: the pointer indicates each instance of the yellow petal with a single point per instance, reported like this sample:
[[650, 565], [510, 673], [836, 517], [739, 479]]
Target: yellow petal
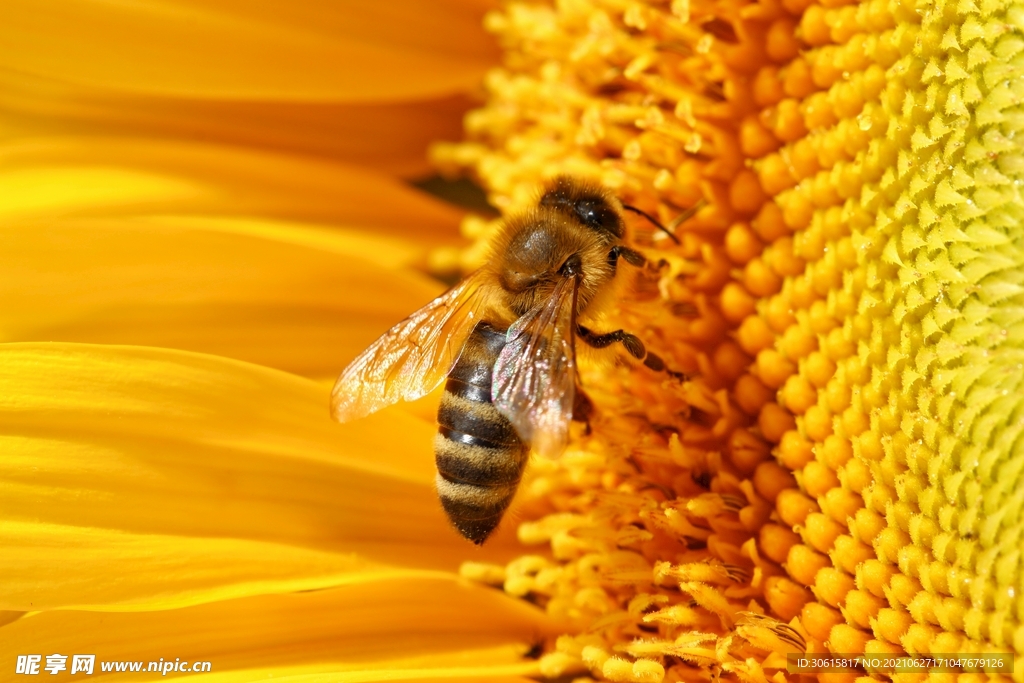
[[7, 617], [58, 176], [166, 571], [388, 136], [161, 444], [443, 666], [228, 49], [281, 294], [433, 668], [440, 627]]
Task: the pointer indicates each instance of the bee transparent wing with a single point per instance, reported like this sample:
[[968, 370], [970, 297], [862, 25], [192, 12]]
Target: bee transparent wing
[[534, 379], [413, 357]]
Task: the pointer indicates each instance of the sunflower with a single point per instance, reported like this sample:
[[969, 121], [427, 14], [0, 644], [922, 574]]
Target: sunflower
[[198, 197]]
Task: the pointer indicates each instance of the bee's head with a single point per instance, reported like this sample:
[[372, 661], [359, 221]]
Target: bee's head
[[585, 203]]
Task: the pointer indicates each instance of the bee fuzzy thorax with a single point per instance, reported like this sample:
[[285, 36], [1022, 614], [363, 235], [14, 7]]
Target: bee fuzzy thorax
[[531, 249]]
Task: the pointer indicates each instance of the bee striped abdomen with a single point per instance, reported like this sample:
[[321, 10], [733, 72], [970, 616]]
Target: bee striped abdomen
[[480, 459]]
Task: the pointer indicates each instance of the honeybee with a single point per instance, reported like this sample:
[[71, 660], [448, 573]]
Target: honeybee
[[505, 339]]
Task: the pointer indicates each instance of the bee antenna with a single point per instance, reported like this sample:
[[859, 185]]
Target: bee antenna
[[653, 220], [679, 220], [688, 214]]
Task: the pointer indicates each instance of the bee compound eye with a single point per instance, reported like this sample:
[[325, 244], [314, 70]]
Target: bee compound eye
[[573, 266], [587, 212], [597, 215]]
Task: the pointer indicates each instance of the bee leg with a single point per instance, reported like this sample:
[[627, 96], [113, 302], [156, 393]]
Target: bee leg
[[633, 346], [631, 256], [582, 407], [631, 342]]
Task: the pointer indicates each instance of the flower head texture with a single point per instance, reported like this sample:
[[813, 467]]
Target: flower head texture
[[203, 219], [843, 473]]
